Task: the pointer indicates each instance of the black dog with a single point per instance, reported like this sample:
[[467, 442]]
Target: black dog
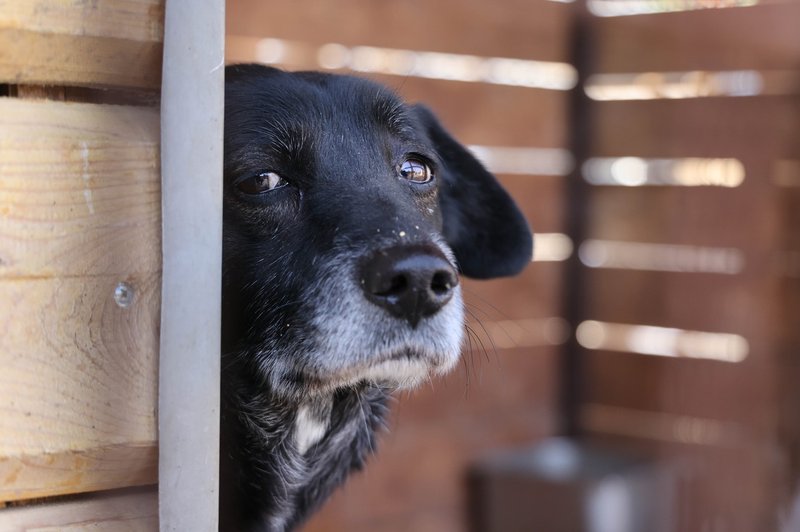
[[347, 218]]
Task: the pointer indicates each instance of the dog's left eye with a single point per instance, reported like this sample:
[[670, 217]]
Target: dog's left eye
[[261, 183], [416, 171]]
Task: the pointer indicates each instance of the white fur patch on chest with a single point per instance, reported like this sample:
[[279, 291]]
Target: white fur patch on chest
[[311, 424]]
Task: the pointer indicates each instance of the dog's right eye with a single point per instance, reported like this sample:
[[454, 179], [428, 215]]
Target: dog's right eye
[[261, 183], [416, 170]]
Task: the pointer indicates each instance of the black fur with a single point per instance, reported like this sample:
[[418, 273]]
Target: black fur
[[289, 258]]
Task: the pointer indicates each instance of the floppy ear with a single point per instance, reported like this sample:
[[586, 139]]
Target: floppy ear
[[482, 224]]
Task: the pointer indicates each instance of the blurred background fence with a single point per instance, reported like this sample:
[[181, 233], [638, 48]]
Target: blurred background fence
[[654, 148]]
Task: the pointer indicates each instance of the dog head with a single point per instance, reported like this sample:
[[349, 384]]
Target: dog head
[[349, 216]]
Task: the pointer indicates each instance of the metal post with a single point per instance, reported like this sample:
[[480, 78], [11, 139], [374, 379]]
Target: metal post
[[192, 99]]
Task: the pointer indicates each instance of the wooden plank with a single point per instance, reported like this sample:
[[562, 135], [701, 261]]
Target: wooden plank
[[80, 189], [61, 473], [515, 28], [697, 216], [492, 115], [705, 127], [743, 305], [478, 113], [78, 386], [682, 41], [541, 199], [134, 511], [114, 42], [740, 401]]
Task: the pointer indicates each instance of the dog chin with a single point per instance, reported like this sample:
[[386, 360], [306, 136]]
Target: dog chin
[[401, 370]]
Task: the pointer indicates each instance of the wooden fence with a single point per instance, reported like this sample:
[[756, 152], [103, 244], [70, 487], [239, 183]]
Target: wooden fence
[[80, 252], [81, 263], [691, 230]]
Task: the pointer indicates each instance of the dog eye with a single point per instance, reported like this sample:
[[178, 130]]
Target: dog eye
[[416, 171], [261, 183]]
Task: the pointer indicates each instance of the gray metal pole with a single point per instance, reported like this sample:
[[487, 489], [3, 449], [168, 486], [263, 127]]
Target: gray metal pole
[[192, 99]]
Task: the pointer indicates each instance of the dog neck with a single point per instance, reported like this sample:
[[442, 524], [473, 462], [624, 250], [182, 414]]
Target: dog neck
[[282, 459]]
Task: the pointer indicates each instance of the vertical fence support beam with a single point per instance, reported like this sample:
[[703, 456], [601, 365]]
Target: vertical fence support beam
[[571, 371], [192, 99]]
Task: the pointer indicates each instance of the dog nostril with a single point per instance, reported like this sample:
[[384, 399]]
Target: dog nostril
[[442, 283], [396, 286]]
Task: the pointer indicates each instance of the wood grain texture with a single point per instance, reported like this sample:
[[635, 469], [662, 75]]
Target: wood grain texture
[[78, 398], [135, 511], [112, 42], [79, 214], [80, 189]]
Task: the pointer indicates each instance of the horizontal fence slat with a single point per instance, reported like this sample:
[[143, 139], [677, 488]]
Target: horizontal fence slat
[[540, 198], [534, 293], [116, 42], [492, 115], [79, 374], [697, 216], [530, 29], [61, 473], [136, 511], [741, 397], [746, 306], [705, 127], [758, 37], [479, 113], [80, 189]]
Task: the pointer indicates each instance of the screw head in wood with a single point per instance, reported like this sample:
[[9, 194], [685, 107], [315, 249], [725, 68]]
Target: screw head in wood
[[123, 295]]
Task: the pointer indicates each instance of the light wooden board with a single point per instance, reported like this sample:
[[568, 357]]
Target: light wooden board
[[95, 469], [80, 189], [128, 512], [113, 42], [78, 386], [79, 214]]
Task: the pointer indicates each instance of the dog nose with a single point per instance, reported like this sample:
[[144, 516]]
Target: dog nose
[[411, 282]]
